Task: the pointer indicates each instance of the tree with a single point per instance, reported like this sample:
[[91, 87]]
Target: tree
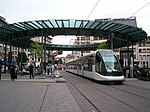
[[35, 49], [22, 57], [102, 45]]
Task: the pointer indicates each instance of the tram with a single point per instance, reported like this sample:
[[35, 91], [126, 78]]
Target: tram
[[102, 65]]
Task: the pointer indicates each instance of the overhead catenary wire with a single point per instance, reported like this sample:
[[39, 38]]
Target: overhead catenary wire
[[93, 9], [140, 9]]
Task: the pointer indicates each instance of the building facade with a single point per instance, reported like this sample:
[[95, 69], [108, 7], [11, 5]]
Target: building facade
[[141, 50]]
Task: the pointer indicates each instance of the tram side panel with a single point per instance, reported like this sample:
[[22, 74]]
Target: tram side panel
[[102, 65]]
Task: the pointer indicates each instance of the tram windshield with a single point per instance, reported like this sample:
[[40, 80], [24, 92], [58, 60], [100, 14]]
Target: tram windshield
[[111, 61]]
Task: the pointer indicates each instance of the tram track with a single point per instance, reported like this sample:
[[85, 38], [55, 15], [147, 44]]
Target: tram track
[[117, 99], [108, 90], [141, 96], [95, 109]]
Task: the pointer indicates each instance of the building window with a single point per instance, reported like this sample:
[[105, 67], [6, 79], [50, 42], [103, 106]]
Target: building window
[[86, 51], [82, 38], [83, 43], [148, 50], [0, 47], [96, 38], [87, 38]]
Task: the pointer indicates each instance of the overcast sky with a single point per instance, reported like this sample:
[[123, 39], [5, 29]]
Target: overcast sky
[[26, 10]]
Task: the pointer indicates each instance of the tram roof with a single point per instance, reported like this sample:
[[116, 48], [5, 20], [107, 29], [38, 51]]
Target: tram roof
[[56, 27]]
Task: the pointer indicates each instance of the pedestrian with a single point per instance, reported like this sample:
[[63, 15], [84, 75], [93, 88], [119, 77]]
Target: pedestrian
[[31, 67], [16, 70], [48, 69], [0, 69], [12, 72]]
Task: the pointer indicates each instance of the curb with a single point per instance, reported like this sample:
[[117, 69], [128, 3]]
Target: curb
[[46, 80]]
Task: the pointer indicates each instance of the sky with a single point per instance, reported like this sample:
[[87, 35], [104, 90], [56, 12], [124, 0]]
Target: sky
[[27, 10]]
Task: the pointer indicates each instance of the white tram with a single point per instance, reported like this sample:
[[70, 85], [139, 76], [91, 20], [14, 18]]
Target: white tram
[[102, 65]]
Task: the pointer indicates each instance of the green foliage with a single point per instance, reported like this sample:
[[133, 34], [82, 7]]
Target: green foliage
[[58, 61], [102, 45], [22, 57], [35, 48]]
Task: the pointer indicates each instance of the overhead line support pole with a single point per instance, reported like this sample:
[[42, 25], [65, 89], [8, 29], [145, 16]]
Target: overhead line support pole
[[42, 52], [112, 36]]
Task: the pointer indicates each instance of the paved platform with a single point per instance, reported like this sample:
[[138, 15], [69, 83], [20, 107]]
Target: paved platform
[[36, 97], [38, 78], [46, 95]]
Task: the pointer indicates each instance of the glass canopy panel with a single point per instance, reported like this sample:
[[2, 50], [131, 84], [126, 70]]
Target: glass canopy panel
[[78, 23], [85, 22], [94, 25], [107, 25], [122, 28], [48, 24], [66, 23], [115, 27], [72, 23], [26, 25], [59, 23], [32, 25], [35, 22], [16, 25], [127, 30], [134, 33], [43, 24], [89, 24], [21, 26], [15, 28], [54, 23], [110, 26], [100, 25]]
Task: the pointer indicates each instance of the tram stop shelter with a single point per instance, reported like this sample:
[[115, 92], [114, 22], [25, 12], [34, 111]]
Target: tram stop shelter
[[118, 35]]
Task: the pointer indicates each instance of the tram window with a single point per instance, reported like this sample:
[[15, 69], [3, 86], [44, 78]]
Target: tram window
[[87, 64], [79, 66], [99, 64], [75, 67], [85, 67]]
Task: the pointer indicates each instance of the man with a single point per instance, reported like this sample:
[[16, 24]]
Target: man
[[31, 67], [12, 72]]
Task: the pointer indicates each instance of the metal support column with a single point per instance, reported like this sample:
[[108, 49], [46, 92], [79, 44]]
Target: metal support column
[[42, 52], [132, 61], [5, 49], [81, 53], [45, 55], [112, 36], [10, 52]]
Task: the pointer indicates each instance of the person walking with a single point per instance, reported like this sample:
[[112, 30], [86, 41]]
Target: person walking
[[16, 70], [0, 69], [48, 69], [31, 67], [12, 72]]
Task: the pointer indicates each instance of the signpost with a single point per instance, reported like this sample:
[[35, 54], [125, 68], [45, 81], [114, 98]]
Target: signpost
[[55, 54]]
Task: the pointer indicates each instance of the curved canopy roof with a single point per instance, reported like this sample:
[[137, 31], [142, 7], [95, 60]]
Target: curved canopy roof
[[72, 47], [55, 27]]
